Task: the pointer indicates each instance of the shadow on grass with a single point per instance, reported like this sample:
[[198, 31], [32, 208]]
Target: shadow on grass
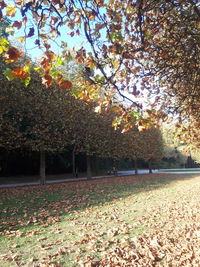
[[25, 207]]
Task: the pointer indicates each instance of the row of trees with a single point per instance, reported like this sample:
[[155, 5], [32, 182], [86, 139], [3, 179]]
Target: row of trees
[[133, 45], [50, 119]]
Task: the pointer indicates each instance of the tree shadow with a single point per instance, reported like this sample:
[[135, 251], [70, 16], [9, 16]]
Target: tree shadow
[[28, 206]]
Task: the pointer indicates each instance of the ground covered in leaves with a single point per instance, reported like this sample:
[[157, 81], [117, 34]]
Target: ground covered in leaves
[[144, 220]]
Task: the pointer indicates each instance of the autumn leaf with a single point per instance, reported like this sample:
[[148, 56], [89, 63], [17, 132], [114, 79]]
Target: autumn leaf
[[12, 55], [50, 55], [10, 11], [65, 84], [4, 44], [47, 80], [20, 72], [54, 20], [45, 64], [71, 25], [17, 24]]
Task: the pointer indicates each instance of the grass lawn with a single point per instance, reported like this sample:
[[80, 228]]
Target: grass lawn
[[181, 170], [144, 220]]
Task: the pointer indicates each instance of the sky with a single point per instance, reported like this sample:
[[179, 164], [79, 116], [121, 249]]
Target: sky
[[29, 45], [36, 53]]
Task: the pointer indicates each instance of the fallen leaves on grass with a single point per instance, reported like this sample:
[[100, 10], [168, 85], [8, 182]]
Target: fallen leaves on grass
[[104, 235]]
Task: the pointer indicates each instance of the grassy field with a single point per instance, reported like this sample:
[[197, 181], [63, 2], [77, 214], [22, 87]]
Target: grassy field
[[144, 220], [181, 170]]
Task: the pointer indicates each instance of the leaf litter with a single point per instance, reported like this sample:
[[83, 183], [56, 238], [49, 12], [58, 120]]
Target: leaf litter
[[153, 221]]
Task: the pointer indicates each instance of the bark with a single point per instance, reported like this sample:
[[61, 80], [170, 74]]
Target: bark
[[114, 167], [135, 166], [96, 169], [150, 165], [75, 169], [42, 168], [89, 171]]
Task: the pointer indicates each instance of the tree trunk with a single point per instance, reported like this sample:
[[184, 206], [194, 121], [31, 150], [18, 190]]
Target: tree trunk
[[75, 169], [135, 166], [150, 165], [114, 167], [96, 166], [89, 171], [42, 168]]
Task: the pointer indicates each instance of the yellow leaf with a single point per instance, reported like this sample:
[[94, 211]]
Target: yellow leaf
[[11, 11], [21, 38], [37, 69], [116, 109], [27, 67], [4, 44]]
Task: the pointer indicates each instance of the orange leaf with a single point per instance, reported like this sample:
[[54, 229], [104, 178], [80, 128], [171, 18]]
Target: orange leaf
[[19, 72], [13, 54], [65, 84], [50, 55], [47, 80], [45, 64], [71, 25]]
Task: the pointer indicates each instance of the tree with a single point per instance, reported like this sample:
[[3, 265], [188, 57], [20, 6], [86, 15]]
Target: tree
[[174, 151], [88, 133], [134, 45], [152, 146], [35, 117], [133, 146]]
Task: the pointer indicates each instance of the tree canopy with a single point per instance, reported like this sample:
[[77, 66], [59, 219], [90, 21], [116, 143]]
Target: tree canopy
[[142, 47]]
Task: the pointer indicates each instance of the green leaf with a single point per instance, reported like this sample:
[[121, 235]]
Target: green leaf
[[116, 36], [4, 44], [27, 81], [134, 115], [59, 62], [99, 79], [8, 74]]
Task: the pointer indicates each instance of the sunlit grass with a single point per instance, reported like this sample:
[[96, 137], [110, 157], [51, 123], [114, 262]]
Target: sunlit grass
[[64, 224]]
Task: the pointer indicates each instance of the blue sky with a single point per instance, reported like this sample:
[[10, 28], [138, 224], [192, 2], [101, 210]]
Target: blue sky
[[29, 45], [33, 50]]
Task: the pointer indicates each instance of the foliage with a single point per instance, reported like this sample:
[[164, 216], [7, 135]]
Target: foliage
[[153, 144], [49, 119], [134, 45], [174, 148], [34, 116]]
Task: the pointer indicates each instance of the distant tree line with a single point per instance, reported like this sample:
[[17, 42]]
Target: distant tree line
[[50, 120]]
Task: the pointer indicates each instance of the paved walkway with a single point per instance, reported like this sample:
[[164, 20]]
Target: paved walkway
[[53, 181], [119, 173]]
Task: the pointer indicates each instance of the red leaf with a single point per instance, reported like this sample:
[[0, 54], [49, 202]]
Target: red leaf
[[13, 54], [17, 24]]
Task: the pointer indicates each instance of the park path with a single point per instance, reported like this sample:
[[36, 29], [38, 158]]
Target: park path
[[119, 173], [54, 181]]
